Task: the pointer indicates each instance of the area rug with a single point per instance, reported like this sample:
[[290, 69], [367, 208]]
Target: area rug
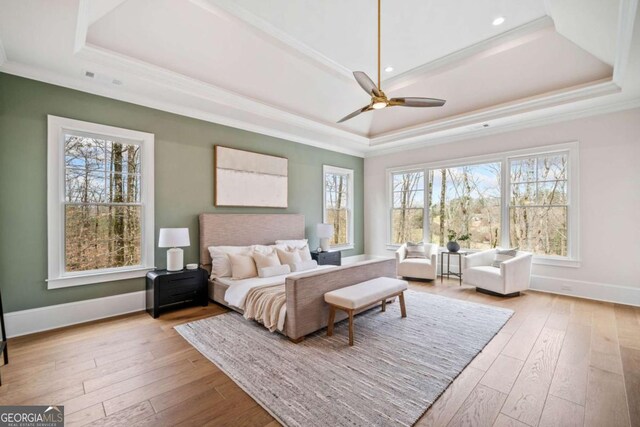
[[396, 370]]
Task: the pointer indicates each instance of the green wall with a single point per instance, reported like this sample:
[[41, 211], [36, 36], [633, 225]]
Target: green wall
[[183, 183]]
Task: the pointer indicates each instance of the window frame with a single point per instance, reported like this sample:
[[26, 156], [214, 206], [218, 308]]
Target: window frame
[[504, 158], [350, 202], [57, 276]]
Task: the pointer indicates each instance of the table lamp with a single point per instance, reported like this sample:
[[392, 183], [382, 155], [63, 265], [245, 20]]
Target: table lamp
[[174, 238], [324, 232]]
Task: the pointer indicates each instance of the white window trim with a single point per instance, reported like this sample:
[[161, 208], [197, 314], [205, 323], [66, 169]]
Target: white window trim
[[573, 195], [57, 277], [350, 196]]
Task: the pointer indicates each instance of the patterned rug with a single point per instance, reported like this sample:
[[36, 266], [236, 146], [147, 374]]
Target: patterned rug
[[396, 370]]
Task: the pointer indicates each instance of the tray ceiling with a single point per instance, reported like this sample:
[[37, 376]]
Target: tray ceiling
[[283, 67]]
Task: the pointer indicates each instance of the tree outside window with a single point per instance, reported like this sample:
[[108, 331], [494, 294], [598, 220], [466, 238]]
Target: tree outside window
[[338, 204], [102, 209], [407, 212], [466, 199], [539, 207]]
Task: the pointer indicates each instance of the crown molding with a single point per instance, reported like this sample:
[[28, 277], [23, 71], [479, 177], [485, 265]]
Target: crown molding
[[488, 46], [229, 9], [173, 81], [587, 91], [626, 20], [524, 123], [77, 83], [82, 25]]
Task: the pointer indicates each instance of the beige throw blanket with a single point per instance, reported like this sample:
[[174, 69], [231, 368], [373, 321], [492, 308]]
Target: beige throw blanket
[[263, 304]]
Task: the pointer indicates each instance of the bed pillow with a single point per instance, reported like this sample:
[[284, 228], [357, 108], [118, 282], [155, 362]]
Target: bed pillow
[[304, 265], [503, 255], [266, 260], [305, 254], [276, 270], [262, 249], [242, 266], [220, 264], [288, 258], [294, 244], [415, 250]]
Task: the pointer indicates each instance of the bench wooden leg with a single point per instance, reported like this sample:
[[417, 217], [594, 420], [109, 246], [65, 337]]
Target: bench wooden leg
[[403, 309], [351, 327], [384, 304], [332, 319]]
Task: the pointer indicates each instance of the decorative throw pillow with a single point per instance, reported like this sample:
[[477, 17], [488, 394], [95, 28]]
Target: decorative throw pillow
[[242, 266], [304, 265], [503, 255], [262, 249], [416, 250], [266, 260], [276, 270], [220, 264], [305, 254], [289, 258]]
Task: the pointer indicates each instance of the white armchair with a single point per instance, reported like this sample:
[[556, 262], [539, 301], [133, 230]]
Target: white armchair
[[418, 268], [512, 277]]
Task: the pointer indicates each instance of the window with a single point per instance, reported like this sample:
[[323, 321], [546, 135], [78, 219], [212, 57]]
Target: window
[[407, 210], [538, 210], [518, 199], [466, 200], [100, 212], [338, 205]]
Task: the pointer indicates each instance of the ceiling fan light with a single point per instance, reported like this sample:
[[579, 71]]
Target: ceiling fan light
[[378, 105]]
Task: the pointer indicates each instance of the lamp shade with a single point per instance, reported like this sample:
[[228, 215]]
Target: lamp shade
[[173, 237], [324, 231]]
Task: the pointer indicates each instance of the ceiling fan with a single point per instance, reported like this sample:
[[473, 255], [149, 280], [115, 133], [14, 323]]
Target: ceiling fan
[[378, 98]]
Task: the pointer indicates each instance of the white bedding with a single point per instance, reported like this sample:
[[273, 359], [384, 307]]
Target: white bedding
[[237, 292]]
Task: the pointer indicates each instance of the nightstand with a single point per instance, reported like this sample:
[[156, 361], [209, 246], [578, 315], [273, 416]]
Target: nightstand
[[172, 289], [327, 258]]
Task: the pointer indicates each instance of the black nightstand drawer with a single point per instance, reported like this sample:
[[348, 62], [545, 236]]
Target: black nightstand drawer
[[165, 288], [327, 258]]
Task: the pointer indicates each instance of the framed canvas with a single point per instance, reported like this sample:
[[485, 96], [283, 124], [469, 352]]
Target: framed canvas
[[248, 179]]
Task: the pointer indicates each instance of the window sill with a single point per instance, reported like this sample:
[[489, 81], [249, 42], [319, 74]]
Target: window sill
[[340, 248], [556, 262], [97, 277]]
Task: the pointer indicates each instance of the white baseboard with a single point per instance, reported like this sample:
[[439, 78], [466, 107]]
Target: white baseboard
[[56, 316], [589, 290]]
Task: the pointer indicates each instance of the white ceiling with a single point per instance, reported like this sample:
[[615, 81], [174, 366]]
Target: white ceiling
[[283, 67], [414, 32]]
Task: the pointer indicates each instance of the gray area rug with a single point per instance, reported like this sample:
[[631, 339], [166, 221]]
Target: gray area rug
[[396, 370]]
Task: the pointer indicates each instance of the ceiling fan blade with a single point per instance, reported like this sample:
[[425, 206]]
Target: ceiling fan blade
[[417, 102], [355, 113], [366, 83]]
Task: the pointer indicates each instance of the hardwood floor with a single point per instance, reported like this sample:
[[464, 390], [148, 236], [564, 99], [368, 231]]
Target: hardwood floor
[[559, 361]]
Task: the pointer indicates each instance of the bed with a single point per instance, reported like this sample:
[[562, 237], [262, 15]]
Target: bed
[[306, 311]]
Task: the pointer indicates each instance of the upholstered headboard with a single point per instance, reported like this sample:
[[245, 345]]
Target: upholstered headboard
[[246, 229]]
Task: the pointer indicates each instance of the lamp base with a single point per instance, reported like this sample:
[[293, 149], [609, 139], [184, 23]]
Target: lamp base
[[175, 259], [324, 245]]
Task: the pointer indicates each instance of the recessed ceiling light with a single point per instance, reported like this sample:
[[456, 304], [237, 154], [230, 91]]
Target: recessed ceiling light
[[498, 21], [389, 69]]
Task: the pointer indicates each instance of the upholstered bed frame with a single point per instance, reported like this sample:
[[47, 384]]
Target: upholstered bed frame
[[306, 310]]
